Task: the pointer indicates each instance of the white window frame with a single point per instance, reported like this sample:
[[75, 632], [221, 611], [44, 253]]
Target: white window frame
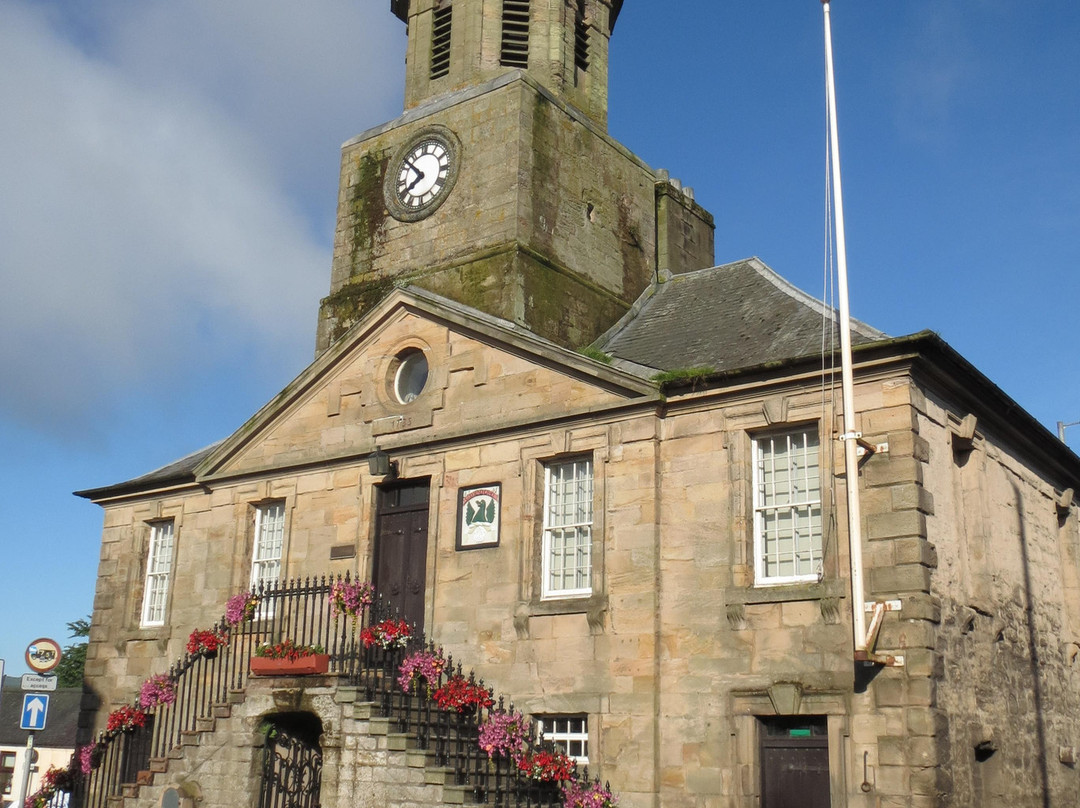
[[159, 557], [268, 548], [788, 521], [568, 517], [569, 732]]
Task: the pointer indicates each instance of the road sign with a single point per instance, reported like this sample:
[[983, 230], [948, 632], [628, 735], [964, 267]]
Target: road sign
[[42, 655], [35, 707], [31, 681]]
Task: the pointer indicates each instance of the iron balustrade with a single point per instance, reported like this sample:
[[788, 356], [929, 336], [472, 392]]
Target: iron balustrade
[[300, 610]]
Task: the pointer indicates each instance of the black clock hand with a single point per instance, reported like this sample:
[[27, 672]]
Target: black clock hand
[[419, 174]]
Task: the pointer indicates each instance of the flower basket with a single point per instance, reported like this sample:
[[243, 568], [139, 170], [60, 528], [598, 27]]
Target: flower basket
[[302, 666], [462, 695], [206, 642], [387, 634], [286, 658], [240, 608], [546, 766], [587, 795], [504, 733], [157, 690], [125, 719], [426, 666], [350, 599]]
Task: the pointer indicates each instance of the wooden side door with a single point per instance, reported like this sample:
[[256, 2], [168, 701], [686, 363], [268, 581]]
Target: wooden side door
[[401, 542], [795, 764]]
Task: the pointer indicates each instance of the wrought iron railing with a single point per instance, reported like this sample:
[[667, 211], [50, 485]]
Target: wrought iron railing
[[300, 610]]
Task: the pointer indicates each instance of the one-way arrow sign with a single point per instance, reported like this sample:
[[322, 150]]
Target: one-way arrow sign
[[35, 708]]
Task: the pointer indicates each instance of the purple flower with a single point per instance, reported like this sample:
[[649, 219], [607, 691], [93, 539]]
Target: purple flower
[[503, 733], [350, 598], [240, 608], [157, 690], [587, 795], [421, 664]]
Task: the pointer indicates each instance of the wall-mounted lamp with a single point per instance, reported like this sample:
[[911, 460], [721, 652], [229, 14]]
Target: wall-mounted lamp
[[380, 464]]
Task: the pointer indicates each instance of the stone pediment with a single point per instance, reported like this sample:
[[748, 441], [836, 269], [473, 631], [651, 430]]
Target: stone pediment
[[485, 376]]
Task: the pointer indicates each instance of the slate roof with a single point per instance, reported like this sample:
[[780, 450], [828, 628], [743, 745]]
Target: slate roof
[[730, 317], [61, 723], [176, 473]]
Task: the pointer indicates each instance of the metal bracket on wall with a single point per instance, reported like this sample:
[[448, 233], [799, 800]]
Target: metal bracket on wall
[[865, 449], [878, 609]]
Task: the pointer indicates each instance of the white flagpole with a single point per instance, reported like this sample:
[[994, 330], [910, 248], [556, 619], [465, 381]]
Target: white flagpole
[[850, 437]]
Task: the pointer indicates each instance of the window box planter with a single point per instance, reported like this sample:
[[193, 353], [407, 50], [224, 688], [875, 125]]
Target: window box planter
[[302, 666]]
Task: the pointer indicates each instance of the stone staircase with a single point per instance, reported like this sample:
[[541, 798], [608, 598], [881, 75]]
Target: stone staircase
[[366, 762]]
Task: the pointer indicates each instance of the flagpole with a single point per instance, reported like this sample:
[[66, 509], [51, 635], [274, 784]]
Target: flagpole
[[850, 436]]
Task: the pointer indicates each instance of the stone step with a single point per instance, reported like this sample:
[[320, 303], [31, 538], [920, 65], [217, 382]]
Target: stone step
[[378, 725], [159, 765], [364, 710], [439, 776], [418, 758], [222, 710], [454, 795], [189, 738], [399, 742], [205, 724], [347, 695]]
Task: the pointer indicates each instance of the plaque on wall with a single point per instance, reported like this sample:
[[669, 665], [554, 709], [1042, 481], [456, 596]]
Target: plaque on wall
[[479, 511]]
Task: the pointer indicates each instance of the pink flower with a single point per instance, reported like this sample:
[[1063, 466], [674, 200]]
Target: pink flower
[[240, 608], [503, 733], [157, 690], [587, 795], [350, 598], [424, 665]]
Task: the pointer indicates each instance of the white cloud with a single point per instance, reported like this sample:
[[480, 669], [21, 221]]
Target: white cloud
[[152, 218]]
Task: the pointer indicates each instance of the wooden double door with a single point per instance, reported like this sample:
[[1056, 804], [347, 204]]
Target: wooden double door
[[401, 545]]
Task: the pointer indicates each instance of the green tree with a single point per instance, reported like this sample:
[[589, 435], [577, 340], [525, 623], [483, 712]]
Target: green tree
[[70, 670]]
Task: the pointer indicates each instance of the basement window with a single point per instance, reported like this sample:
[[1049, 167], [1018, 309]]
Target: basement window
[[515, 34], [570, 733], [440, 42]]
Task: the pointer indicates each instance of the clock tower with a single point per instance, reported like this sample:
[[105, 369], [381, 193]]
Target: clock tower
[[499, 187]]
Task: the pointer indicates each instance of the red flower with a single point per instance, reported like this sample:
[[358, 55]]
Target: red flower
[[287, 649], [124, 719], [387, 634], [547, 766], [457, 693], [201, 642]]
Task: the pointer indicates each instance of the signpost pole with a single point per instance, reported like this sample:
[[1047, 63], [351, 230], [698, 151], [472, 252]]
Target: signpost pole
[[28, 765]]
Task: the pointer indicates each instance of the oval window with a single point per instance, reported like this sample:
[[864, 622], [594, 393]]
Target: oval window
[[411, 376]]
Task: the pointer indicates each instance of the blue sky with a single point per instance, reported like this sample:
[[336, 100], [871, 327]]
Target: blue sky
[[169, 182]]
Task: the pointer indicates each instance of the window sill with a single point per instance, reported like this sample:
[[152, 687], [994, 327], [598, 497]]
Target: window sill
[[783, 593], [827, 593], [592, 606], [155, 634]]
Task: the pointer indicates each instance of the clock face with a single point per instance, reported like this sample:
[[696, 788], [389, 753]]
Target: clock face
[[422, 174]]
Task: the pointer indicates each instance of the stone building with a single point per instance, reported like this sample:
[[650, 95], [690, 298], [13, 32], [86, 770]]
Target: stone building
[[522, 311]]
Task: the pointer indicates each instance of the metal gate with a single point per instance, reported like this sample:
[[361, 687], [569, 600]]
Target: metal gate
[[292, 770]]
